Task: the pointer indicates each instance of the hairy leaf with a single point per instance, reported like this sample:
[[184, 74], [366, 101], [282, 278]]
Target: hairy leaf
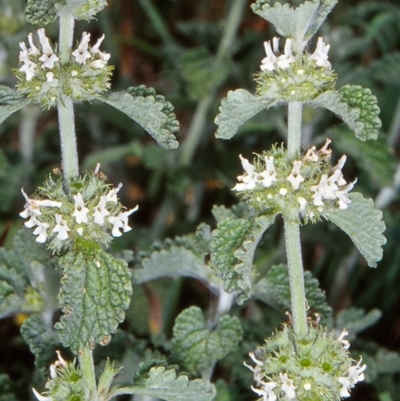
[[165, 384], [387, 362], [201, 72], [88, 9], [386, 69], [10, 102], [240, 210], [42, 341], [175, 262], [238, 107], [356, 106], [363, 224], [197, 347], [42, 12], [356, 320], [95, 291], [275, 288], [151, 111], [232, 251], [299, 23], [10, 302]]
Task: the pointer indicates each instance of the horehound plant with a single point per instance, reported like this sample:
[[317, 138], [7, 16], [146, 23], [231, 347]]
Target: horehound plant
[[303, 360]]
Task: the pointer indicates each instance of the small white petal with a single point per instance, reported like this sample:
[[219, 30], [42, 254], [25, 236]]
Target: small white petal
[[80, 212], [41, 397]]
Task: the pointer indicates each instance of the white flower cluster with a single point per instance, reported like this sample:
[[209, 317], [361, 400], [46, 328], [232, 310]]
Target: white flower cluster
[[276, 60], [84, 55], [265, 389], [355, 373], [81, 215], [329, 187], [53, 375]]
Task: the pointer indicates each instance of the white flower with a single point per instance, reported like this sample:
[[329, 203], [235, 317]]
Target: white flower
[[255, 360], [307, 386], [266, 391], [104, 57], [48, 58], [111, 196], [320, 56], [80, 212], [41, 397], [32, 206], [355, 375], [310, 155], [100, 211], [295, 177], [268, 63], [341, 339], [269, 174], [33, 51], [61, 227], [59, 362], [49, 76], [28, 66], [319, 190], [285, 59], [302, 202], [41, 231], [121, 222], [287, 385], [324, 151], [249, 178], [81, 54], [343, 195]]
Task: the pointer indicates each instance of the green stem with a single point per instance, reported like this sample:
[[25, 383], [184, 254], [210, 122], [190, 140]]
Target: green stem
[[294, 128], [296, 277], [66, 118], [224, 49], [87, 367]]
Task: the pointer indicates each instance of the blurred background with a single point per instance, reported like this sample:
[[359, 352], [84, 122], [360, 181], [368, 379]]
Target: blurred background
[[193, 53]]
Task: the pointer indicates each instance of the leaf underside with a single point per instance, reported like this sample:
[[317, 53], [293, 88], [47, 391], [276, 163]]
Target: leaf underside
[[10, 102]]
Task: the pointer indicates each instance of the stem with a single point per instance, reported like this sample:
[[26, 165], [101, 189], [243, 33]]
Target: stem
[[87, 368], [296, 277], [66, 119], [294, 128], [200, 117]]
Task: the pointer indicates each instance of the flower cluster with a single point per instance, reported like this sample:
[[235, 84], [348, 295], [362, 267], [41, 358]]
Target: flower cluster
[[44, 78], [90, 210], [301, 188], [315, 366], [65, 382], [291, 78]]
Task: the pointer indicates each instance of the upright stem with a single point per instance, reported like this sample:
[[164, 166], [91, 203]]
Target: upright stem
[[87, 367], [66, 118], [292, 232], [296, 277], [294, 127]]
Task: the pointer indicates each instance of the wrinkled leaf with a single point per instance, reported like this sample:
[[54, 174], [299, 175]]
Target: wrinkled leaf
[[41, 12], [197, 347], [151, 111], [95, 291], [238, 107], [232, 251], [42, 341], [10, 102], [363, 224]]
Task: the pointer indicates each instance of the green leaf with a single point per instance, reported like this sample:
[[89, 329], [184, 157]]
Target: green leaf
[[197, 347], [166, 385], [238, 107], [95, 291], [88, 9], [149, 110], [356, 106], [10, 302], [6, 393], [298, 23], [41, 12], [386, 69], [232, 251], [363, 224], [42, 341], [356, 320], [275, 288], [387, 362], [10, 102], [201, 72]]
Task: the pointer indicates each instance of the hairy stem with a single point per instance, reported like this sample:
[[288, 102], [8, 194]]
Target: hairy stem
[[296, 277], [66, 118], [294, 128], [87, 368]]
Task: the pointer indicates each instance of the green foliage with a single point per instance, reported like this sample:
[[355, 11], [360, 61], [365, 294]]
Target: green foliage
[[43, 342], [356, 320], [197, 347], [275, 288], [165, 384], [363, 224], [10, 102], [200, 72], [151, 111], [356, 106], [232, 251], [387, 69], [42, 12], [95, 291], [6, 393], [238, 107], [88, 9], [298, 23]]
